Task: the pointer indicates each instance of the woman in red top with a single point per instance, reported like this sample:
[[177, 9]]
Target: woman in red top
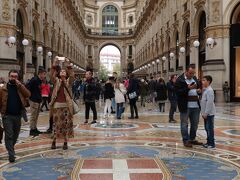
[[45, 91], [61, 103]]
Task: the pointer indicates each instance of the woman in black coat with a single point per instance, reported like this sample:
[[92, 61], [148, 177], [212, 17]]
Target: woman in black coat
[[161, 90], [133, 92]]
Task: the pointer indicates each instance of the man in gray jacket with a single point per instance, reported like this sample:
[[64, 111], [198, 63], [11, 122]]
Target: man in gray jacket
[[208, 110]]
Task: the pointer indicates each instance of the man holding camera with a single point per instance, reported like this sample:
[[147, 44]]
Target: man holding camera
[[188, 90], [13, 97]]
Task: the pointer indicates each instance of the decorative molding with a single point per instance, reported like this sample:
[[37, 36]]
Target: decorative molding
[[7, 30], [6, 10], [22, 3], [218, 31], [186, 15], [199, 3]]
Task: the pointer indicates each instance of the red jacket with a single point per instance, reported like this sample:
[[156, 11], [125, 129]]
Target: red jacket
[[45, 90]]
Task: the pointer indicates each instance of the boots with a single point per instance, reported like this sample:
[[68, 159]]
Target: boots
[[160, 107], [49, 131], [53, 145], [65, 146]]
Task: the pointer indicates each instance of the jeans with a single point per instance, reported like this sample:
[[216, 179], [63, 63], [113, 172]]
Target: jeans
[[120, 110], [193, 115], [143, 100], [173, 109], [12, 126], [107, 108], [113, 104], [209, 127], [91, 105], [133, 107]]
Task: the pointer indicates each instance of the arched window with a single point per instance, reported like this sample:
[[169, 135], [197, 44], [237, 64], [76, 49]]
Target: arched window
[[187, 46], [177, 50], [19, 32], [202, 40], [20, 50], [110, 20]]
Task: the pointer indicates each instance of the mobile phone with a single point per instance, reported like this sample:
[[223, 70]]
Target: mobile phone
[[61, 58], [192, 83]]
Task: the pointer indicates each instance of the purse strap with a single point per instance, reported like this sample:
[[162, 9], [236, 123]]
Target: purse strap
[[67, 91]]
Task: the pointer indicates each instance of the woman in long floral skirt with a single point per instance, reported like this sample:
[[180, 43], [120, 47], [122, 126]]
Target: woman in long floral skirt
[[61, 103]]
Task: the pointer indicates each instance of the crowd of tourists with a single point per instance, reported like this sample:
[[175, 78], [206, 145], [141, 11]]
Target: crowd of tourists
[[59, 89]]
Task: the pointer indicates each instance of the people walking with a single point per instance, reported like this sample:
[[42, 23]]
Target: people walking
[[133, 93], [45, 91], [152, 90], [108, 96], [143, 91], [120, 92], [89, 97], [61, 103], [161, 90], [13, 100], [187, 90], [172, 98], [208, 110], [34, 86]]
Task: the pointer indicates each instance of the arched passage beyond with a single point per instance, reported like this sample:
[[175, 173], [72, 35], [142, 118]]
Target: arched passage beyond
[[235, 54], [110, 61]]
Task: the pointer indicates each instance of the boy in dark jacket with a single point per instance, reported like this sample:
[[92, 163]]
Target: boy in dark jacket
[[89, 97]]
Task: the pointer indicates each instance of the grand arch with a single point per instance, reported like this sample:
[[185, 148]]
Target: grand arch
[[98, 44]]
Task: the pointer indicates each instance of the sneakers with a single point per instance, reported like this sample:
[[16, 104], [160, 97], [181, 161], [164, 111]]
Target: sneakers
[[208, 146], [172, 121], [94, 122], [34, 132]]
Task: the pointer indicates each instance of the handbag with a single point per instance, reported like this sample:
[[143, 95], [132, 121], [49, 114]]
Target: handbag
[[132, 95], [76, 108]]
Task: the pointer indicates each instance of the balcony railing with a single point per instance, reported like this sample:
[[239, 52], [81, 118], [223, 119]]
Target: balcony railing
[[100, 32]]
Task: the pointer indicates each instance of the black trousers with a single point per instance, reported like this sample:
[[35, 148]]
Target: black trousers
[[91, 105], [45, 103], [12, 126], [133, 107]]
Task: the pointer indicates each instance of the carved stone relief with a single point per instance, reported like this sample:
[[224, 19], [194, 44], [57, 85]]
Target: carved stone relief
[[215, 11], [6, 10]]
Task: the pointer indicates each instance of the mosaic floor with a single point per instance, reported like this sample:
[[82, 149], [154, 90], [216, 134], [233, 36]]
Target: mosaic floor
[[149, 148]]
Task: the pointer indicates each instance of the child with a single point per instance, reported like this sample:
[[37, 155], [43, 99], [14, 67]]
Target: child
[[208, 110]]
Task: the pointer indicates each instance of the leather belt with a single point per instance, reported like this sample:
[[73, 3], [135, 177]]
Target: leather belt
[[193, 98]]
